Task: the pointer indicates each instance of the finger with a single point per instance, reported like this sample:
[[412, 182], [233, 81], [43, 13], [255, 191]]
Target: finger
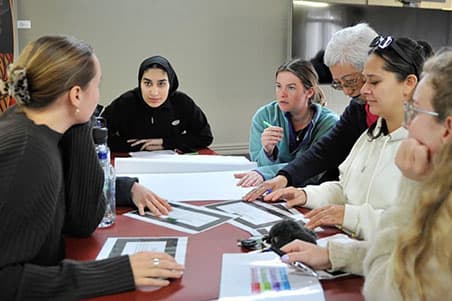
[[239, 175], [294, 246], [165, 203], [147, 145], [131, 140], [167, 273], [253, 179], [254, 194], [315, 220], [138, 142], [140, 209], [258, 180], [162, 209], [241, 181], [152, 208], [247, 181], [313, 212], [146, 281], [276, 195]]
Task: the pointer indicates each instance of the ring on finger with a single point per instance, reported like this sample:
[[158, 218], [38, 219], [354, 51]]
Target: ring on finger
[[155, 262]]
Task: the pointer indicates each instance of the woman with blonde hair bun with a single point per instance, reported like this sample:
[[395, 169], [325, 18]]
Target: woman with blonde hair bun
[[411, 258], [51, 181]]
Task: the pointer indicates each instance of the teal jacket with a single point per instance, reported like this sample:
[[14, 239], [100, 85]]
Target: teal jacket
[[288, 148]]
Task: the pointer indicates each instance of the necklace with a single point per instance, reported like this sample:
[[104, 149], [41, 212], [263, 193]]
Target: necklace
[[302, 124], [300, 134]]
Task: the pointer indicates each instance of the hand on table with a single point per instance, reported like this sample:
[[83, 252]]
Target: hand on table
[[143, 197], [152, 268], [313, 255], [330, 215], [293, 196], [248, 179], [147, 144], [264, 188]]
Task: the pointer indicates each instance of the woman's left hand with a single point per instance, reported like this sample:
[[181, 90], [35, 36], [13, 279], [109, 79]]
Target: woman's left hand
[[330, 215], [143, 197], [147, 144], [313, 255], [248, 179]]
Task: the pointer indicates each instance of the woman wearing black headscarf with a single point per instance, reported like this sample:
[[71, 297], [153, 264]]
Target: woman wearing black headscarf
[[155, 115]]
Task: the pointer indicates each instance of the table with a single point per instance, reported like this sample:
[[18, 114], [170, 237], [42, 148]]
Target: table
[[201, 280]]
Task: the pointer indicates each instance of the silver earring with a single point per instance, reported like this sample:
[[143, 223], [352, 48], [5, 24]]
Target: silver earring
[[77, 110]]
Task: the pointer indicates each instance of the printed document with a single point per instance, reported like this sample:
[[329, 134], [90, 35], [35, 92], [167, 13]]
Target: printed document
[[262, 276], [117, 246], [185, 217]]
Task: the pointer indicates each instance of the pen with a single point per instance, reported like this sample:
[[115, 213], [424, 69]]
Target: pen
[[266, 192], [266, 123], [297, 264]]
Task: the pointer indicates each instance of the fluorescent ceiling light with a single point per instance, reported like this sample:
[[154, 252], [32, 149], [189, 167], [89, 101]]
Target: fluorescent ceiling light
[[310, 3]]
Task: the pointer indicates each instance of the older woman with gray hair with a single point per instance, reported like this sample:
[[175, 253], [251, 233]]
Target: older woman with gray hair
[[345, 55]]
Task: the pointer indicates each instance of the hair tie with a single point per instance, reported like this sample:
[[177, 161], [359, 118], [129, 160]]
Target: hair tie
[[17, 84], [3, 88]]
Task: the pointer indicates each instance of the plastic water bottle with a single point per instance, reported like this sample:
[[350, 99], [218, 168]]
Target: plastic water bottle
[[100, 135]]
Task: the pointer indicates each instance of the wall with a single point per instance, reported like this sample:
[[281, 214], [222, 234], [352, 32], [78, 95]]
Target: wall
[[225, 52]]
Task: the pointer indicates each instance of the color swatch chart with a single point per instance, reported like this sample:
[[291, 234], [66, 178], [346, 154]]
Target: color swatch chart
[[269, 278]]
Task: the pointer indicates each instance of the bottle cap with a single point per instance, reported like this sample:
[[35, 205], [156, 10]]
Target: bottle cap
[[100, 135]]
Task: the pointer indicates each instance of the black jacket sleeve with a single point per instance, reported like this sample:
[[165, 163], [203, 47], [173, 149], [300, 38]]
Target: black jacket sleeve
[[331, 150], [197, 132], [123, 191], [84, 180]]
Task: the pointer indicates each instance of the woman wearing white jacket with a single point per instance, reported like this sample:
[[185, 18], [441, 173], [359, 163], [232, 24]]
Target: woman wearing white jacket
[[369, 179]]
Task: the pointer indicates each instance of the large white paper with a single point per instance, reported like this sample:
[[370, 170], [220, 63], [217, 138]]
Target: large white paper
[[182, 164], [199, 186], [262, 276], [154, 154], [185, 217]]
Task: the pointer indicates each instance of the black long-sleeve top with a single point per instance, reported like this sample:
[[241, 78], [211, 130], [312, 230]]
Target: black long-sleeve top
[[51, 186], [331, 150], [179, 121]]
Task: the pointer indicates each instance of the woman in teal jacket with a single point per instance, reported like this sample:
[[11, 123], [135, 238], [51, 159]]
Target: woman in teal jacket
[[288, 126]]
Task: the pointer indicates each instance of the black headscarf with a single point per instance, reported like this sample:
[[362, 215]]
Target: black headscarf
[[163, 64]]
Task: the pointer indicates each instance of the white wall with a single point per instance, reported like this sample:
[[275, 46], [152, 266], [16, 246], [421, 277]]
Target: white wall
[[225, 52]]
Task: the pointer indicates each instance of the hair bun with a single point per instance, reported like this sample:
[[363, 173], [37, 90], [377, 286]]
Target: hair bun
[[17, 84]]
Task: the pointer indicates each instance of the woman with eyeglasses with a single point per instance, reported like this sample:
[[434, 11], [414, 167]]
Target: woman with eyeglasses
[[411, 257], [369, 178], [287, 127], [345, 55]]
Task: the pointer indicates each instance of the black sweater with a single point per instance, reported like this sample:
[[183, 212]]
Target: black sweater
[[51, 186], [179, 121], [331, 150]]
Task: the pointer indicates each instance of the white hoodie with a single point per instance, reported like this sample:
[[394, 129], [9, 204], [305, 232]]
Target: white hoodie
[[368, 182]]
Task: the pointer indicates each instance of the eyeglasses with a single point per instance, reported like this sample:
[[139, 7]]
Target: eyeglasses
[[347, 81], [411, 111], [384, 42]]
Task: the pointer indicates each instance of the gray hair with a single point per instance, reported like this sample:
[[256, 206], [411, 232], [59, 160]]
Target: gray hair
[[350, 46]]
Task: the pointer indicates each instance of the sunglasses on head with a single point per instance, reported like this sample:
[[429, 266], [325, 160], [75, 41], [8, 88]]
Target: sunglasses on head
[[381, 42]]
